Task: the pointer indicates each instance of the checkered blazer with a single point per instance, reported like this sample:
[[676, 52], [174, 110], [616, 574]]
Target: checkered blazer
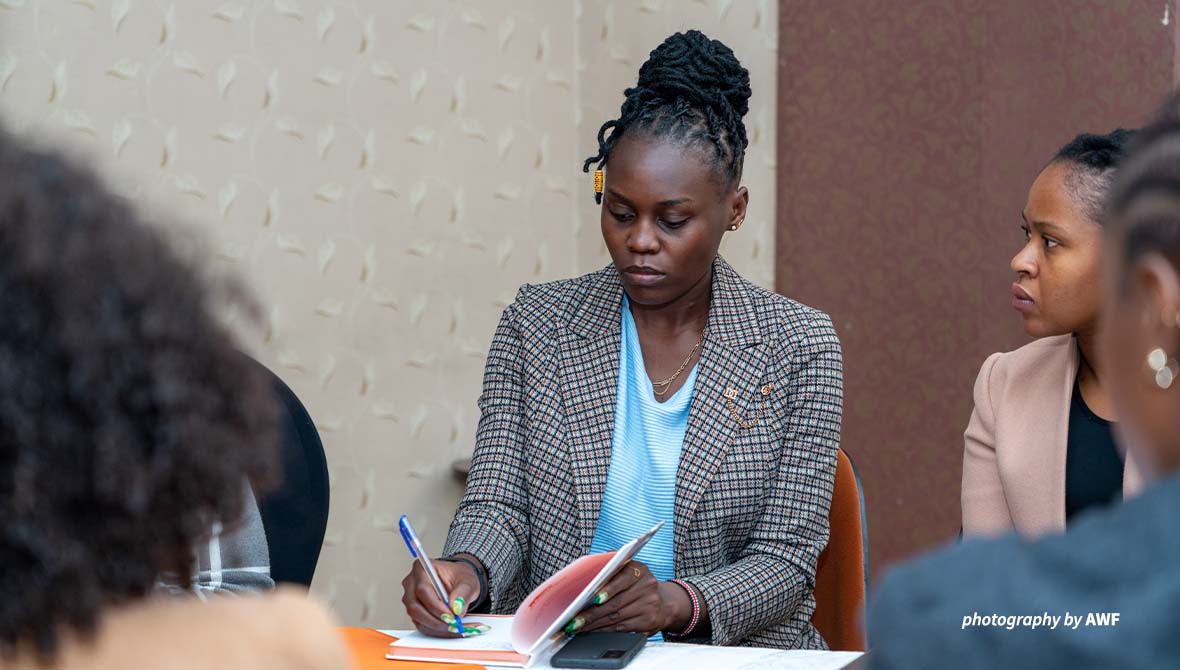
[[751, 506]]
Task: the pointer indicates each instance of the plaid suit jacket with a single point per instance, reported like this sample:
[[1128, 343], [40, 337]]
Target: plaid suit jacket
[[751, 505]]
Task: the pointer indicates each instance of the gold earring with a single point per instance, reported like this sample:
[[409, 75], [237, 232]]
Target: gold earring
[[1164, 370]]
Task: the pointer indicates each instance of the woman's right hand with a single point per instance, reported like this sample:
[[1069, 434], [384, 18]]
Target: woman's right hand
[[428, 612]]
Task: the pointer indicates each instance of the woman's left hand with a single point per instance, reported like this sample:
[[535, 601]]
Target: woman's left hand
[[633, 601]]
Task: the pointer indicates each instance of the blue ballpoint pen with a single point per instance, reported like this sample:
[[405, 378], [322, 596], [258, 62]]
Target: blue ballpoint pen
[[416, 550]]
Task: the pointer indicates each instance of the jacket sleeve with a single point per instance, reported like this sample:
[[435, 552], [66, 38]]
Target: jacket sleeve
[[236, 560], [775, 572], [985, 509], [492, 522]]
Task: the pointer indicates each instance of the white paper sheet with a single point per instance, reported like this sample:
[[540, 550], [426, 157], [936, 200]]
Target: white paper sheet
[[496, 639], [669, 656]]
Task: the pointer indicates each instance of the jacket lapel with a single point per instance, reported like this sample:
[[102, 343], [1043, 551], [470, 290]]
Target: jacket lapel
[[589, 350], [1040, 431], [1060, 441], [731, 357], [1039, 504]]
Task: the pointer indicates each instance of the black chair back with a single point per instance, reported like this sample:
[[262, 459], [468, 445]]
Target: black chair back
[[295, 515]]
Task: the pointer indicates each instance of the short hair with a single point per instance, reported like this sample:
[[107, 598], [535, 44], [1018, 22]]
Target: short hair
[[691, 89], [128, 417], [1144, 203], [1092, 161]]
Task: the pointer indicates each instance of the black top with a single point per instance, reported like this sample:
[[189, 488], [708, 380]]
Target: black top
[[1093, 465]]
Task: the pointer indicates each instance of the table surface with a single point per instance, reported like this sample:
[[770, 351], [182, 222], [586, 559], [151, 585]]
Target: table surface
[[369, 646]]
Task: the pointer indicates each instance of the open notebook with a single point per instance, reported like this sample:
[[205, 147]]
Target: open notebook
[[535, 632]]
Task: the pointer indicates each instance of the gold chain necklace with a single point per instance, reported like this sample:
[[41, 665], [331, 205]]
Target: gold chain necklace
[[667, 383]]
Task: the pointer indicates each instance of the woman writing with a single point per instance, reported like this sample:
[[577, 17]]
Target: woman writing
[[1039, 447], [662, 388]]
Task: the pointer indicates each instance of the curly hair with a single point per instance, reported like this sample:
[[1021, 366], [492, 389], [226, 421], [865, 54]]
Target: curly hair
[[128, 417], [693, 89]]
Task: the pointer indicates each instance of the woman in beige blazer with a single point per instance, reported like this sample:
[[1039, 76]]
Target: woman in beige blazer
[[957, 608], [1039, 446]]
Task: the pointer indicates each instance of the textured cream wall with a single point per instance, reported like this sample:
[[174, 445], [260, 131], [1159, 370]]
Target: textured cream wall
[[385, 174]]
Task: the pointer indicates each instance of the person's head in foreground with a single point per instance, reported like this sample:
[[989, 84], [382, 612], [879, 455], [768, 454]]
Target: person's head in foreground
[[672, 164], [1141, 332], [1058, 287], [128, 417], [1107, 593]]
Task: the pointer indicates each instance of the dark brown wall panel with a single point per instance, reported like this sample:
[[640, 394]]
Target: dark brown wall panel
[[908, 135]]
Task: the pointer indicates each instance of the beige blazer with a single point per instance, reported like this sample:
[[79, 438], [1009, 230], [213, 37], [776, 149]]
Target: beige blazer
[[1014, 454]]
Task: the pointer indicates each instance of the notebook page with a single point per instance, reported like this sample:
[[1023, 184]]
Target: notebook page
[[524, 638], [697, 657], [496, 639]]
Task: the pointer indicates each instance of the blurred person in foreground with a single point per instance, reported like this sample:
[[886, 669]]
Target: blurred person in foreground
[[128, 418]]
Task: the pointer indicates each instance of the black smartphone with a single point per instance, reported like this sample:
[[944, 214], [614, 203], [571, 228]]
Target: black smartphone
[[599, 650]]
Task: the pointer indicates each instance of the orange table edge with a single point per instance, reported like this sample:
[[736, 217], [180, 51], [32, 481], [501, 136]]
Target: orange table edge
[[368, 648]]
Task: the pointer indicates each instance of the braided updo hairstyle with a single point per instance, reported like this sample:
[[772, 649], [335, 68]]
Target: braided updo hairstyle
[[691, 89]]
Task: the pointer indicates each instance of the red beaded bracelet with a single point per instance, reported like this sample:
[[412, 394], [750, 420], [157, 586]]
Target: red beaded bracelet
[[696, 608]]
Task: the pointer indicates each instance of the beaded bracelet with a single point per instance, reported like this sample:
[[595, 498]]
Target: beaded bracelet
[[696, 608]]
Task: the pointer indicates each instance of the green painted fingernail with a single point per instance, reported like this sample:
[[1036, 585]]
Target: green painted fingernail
[[473, 632], [575, 624], [447, 618], [601, 597], [458, 604]]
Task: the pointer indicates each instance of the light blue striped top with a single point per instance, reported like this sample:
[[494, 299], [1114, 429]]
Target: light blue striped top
[[645, 453]]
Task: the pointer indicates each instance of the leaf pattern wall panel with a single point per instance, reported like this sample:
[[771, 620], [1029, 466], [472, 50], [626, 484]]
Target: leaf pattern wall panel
[[385, 174]]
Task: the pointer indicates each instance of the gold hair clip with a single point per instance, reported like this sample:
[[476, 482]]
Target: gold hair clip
[[598, 181]]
